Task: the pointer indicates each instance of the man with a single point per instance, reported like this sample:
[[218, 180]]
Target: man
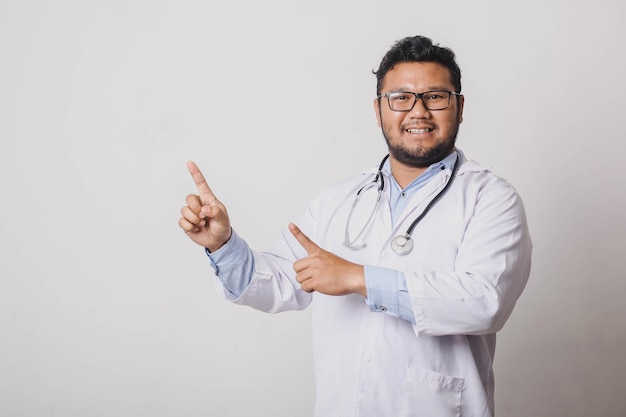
[[410, 270]]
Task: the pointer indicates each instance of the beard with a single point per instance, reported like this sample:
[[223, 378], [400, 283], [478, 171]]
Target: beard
[[423, 157]]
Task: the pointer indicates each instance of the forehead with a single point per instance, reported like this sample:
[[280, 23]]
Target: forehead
[[418, 76]]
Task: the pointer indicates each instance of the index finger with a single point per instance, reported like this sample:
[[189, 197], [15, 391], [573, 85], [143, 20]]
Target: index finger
[[198, 178], [309, 246]]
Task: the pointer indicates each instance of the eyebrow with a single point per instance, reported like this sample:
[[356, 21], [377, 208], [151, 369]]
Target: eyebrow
[[409, 90]]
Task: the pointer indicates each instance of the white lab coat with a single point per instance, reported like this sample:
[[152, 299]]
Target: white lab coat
[[470, 263]]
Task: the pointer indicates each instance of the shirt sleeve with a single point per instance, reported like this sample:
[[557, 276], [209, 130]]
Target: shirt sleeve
[[387, 292], [233, 264]]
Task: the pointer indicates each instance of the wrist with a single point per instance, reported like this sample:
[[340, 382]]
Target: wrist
[[359, 282], [212, 247]]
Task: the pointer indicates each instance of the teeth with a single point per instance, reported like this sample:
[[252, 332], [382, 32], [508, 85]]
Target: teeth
[[425, 130]]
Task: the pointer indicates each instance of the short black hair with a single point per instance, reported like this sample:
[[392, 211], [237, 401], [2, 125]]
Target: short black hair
[[418, 49]]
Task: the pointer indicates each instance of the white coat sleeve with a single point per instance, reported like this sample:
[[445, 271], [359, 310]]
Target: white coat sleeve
[[272, 286], [477, 294]]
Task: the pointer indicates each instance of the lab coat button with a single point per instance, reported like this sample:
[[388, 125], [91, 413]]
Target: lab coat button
[[383, 308], [368, 357]]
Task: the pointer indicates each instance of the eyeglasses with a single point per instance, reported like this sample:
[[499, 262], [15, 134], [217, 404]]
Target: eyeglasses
[[405, 100]]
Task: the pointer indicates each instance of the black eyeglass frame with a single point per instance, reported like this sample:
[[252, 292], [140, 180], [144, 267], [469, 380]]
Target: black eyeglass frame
[[417, 97]]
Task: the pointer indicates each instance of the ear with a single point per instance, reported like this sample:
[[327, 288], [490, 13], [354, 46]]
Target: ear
[[461, 104], [377, 111]]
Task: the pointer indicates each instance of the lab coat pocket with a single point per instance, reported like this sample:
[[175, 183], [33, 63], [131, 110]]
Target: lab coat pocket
[[431, 394]]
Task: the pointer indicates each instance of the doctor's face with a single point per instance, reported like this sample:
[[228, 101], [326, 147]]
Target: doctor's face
[[419, 137]]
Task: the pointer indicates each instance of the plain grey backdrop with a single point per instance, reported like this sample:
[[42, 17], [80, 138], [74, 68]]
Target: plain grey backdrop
[[107, 309]]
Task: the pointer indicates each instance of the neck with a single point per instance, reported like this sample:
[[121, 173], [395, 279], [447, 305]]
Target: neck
[[404, 174]]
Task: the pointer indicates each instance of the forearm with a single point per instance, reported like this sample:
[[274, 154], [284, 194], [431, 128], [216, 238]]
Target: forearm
[[261, 280], [233, 264]]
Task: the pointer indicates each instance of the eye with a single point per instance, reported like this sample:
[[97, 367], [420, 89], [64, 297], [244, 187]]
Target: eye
[[399, 97], [435, 96]]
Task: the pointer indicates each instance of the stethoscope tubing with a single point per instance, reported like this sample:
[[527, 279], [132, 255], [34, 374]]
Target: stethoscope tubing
[[401, 244], [432, 202]]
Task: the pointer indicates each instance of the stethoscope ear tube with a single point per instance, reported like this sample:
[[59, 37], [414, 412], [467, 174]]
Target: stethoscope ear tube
[[354, 243], [432, 202]]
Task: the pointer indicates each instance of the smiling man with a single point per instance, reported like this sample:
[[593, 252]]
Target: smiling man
[[410, 269], [420, 128]]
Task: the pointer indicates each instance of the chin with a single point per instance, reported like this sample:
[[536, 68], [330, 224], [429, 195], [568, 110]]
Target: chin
[[421, 158]]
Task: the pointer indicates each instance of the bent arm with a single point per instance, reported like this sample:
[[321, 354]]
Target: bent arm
[[490, 271], [261, 280]]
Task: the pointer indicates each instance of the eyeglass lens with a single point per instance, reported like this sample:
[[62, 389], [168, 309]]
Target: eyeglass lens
[[433, 100]]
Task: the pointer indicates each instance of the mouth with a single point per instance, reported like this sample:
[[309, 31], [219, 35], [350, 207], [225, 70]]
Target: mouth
[[415, 130]]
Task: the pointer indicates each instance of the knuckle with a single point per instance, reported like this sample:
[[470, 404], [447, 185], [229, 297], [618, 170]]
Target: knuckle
[[184, 224], [188, 214], [192, 198]]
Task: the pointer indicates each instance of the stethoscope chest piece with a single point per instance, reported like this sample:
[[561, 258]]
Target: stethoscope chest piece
[[402, 244]]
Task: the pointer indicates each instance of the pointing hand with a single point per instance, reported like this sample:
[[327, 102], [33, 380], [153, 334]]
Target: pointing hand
[[205, 219], [325, 272]]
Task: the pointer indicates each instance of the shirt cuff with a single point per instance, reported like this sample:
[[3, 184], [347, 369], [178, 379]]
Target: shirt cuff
[[387, 292], [233, 264]]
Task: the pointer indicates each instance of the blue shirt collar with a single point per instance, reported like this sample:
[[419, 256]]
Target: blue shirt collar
[[447, 162]]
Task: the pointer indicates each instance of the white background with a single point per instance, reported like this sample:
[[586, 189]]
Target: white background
[[107, 309]]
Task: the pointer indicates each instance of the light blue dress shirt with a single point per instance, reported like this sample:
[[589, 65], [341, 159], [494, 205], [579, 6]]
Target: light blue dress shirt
[[386, 288]]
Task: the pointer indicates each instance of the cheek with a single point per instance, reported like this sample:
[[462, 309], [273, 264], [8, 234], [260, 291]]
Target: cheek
[[391, 121], [449, 123]]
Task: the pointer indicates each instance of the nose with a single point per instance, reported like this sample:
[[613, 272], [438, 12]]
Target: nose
[[419, 109]]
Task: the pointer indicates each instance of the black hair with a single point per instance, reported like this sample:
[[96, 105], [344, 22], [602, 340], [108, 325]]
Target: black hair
[[418, 49]]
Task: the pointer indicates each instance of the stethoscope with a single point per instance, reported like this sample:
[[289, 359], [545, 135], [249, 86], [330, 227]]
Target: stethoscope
[[401, 244]]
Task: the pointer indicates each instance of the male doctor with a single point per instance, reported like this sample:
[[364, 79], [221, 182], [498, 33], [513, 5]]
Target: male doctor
[[409, 282]]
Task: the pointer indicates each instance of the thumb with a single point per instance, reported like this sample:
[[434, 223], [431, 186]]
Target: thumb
[[309, 246], [215, 212]]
